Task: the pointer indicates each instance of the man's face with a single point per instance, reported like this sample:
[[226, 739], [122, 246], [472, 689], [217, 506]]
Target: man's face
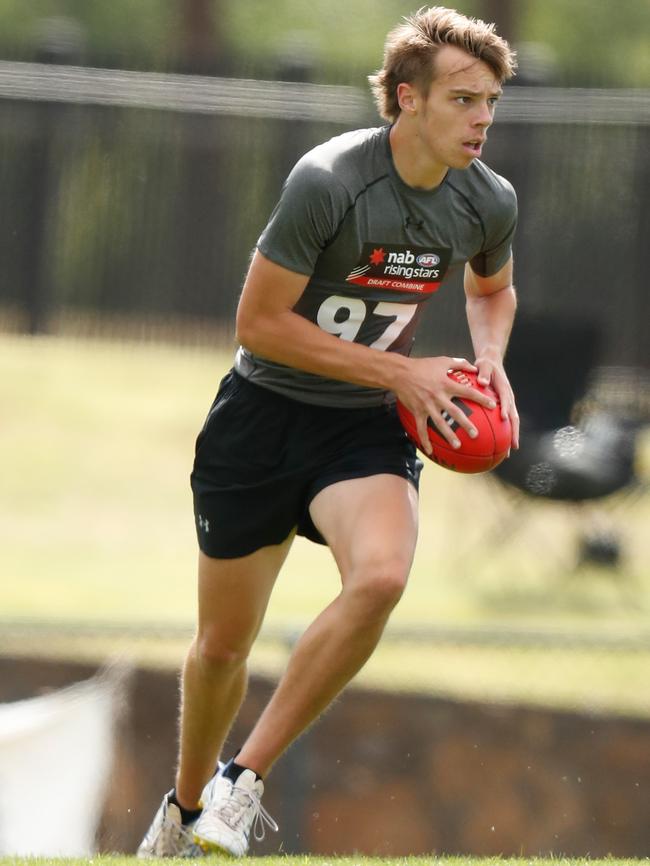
[[453, 118]]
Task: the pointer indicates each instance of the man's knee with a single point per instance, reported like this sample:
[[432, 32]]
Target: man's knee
[[215, 652], [378, 584]]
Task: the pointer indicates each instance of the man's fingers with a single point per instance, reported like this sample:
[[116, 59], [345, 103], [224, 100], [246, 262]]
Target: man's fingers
[[509, 410], [461, 364], [423, 434], [442, 418], [445, 430], [514, 421], [441, 422], [484, 376], [454, 414], [474, 394]]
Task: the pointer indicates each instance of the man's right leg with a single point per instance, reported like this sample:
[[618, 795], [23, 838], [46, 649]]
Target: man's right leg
[[233, 597]]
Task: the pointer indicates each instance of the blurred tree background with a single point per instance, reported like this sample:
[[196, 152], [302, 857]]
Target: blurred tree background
[[597, 43]]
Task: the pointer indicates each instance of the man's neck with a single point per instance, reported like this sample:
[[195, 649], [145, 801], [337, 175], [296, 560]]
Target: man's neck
[[411, 162]]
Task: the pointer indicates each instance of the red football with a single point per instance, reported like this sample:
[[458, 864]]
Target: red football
[[474, 455]]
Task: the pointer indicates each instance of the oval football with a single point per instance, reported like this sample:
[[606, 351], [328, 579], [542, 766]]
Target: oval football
[[469, 464], [480, 454]]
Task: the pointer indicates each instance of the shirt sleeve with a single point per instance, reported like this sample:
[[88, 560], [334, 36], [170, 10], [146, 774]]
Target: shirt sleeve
[[311, 207], [499, 231]]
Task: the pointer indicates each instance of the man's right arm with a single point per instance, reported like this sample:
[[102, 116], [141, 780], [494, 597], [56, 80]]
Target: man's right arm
[[268, 326]]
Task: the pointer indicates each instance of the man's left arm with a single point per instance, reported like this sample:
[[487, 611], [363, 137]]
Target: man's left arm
[[491, 303]]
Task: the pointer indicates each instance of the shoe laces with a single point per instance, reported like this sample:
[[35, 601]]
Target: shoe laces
[[243, 805], [180, 837]]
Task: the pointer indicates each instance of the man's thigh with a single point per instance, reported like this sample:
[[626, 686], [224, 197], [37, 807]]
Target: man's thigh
[[234, 594], [369, 520]]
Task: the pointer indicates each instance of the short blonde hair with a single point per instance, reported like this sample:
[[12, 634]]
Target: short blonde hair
[[411, 49]]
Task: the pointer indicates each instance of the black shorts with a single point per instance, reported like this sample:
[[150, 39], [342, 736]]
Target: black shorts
[[261, 458]]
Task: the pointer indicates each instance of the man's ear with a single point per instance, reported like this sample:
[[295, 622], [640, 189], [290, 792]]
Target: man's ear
[[407, 97]]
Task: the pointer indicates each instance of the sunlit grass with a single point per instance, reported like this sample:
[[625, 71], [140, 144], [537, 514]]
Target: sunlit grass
[[432, 860]]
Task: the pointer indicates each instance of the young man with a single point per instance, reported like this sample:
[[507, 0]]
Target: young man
[[367, 226]]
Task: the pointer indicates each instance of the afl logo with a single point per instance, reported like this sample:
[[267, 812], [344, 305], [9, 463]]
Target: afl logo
[[428, 260]]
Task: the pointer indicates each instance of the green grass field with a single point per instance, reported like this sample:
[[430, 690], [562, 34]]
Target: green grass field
[[330, 861], [96, 527]]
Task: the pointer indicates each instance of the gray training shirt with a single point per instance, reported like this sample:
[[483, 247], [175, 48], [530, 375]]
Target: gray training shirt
[[375, 250]]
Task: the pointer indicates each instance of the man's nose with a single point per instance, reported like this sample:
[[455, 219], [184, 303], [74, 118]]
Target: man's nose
[[484, 115]]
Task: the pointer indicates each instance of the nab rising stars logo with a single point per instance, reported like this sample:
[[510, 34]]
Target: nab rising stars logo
[[400, 268]]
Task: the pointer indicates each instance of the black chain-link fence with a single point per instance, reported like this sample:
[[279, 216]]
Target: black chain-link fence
[[142, 195]]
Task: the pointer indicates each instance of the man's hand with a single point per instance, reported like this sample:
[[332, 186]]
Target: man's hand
[[491, 372], [427, 391]]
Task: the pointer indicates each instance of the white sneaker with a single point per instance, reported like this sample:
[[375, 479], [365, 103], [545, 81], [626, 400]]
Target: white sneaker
[[230, 810], [167, 836]]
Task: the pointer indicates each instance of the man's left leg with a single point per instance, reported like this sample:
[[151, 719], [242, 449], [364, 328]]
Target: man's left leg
[[370, 524]]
